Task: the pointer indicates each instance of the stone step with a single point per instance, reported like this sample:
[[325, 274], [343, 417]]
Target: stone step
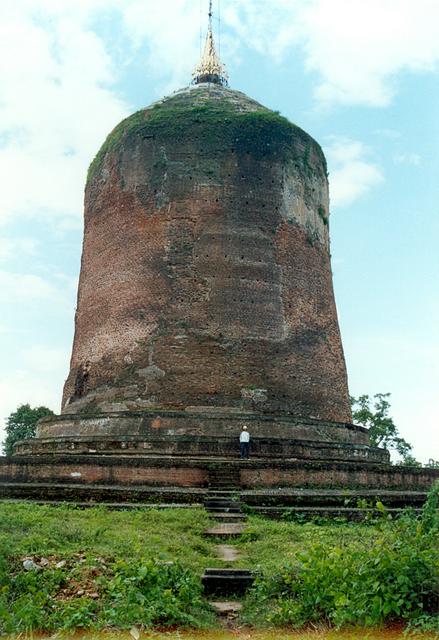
[[100, 493], [226, 486], [227, 552], [223, 494], [226, 608], [227, 516], [223, 509], [326, 502], [221, 502], [226, 529], [227, 582], [119, 506]]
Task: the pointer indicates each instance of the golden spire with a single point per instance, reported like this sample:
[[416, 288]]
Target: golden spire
[[210, 68]]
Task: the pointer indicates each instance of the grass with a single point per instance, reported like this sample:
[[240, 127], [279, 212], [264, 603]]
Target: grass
[[163, 535], [250, 634], [97, 568], [347, 574], [100, 569], [288, 538], [263, 134]]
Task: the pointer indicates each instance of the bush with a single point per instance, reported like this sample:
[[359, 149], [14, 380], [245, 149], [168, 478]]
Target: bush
[[152, 594], [97, 568], [127, 594], [356, 584]]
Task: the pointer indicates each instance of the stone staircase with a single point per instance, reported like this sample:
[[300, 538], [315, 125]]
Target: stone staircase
[[227, 583]]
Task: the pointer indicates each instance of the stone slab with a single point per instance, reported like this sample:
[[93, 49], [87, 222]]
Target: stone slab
[[227, 607], [225, 529], [227, 582], [227, 516], [227, 552]]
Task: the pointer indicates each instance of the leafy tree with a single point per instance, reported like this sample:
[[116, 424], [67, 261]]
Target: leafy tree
[[409, 461], [21, 424], [374, 414]]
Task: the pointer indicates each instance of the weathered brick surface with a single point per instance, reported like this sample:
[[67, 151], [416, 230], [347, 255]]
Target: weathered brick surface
[[337, 475], [203, 422], [134, 472], [190, 446], [205, 277]]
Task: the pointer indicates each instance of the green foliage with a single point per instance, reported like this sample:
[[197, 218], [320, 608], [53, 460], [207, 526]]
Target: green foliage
[[21, 424], [142, 568], [119, 568], [373, 413], [144, 593], [261, 133], [150, 594], [409, 461], [323, 215], [175, 534], [368, 583], [430, 512]]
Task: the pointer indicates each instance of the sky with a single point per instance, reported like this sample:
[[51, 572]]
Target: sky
[[361, 77]]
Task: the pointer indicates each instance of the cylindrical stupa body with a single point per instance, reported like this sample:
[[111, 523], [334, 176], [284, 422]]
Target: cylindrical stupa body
[[205, 277]]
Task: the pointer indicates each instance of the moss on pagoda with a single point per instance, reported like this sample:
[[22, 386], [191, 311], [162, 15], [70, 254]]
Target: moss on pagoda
[[242, 124]]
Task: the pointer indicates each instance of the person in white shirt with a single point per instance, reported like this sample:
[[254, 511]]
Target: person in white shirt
[[244, 443]]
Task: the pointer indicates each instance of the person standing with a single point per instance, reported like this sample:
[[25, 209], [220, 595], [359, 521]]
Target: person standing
[[244, 443]]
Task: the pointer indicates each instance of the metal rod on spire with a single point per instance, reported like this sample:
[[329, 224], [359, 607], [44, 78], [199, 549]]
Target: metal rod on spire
[[210, 68]]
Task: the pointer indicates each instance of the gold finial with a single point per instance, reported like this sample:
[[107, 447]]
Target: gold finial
[[210, 68]]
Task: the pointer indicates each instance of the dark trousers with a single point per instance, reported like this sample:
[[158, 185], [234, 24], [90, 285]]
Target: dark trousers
[[244, 449]]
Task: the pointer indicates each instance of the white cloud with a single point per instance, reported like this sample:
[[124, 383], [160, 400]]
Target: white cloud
[[56, 106], [407, 366], [391, 134], [25, 287], [358, 48], [270, 30], [351, 174], [413, 159], [58, 75], [38, 382], [355, 48], [10, 247], [44, 359], [170, 29]]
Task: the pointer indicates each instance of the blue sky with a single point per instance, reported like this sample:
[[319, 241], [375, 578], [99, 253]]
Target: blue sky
[[362, 78]]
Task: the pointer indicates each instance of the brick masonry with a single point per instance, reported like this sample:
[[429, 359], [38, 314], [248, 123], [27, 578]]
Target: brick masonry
[[205, 277], [132, 473], [205, 302]]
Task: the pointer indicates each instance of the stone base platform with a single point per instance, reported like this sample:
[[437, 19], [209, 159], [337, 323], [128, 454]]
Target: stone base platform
[[183, 457], [199, 446], [267, 486], [200, 432]]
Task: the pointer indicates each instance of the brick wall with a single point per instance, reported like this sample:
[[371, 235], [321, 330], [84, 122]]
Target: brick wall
[[205, 277]]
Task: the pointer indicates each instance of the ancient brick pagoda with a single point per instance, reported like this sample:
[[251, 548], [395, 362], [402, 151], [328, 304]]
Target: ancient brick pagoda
[[205, 302]]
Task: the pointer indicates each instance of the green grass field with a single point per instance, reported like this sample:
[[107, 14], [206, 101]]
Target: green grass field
[[97, 569]]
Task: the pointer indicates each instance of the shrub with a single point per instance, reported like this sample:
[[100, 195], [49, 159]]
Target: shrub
[[346, 584], [129, 593]]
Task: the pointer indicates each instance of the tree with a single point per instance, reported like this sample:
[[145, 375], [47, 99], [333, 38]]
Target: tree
[[409, 461], [374, 414], [21, 425]]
